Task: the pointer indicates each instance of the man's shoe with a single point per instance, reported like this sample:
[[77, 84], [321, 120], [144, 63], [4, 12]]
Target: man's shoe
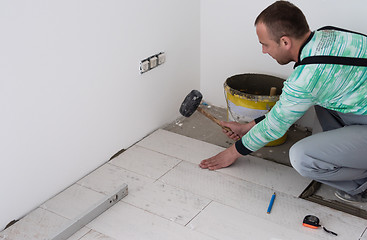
[[360, 197]]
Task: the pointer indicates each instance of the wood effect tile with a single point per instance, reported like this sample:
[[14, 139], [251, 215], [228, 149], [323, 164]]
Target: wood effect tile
[[224, 222], [124, 221], [237, 212], [109, 177], [145, 162], [363, 235], [169, 202], [73, 201], [179, 146], [79, 234], [218, 186], [249, 168], [254, 199], [40, 224], [269, 174], [94, 235]]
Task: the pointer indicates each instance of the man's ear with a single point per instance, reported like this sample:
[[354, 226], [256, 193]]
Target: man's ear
[[286, 42]]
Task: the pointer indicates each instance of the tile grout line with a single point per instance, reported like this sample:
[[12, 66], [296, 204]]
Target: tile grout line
[[199, 212], [90, 230], [44, 204], [362, 234], [211, 200], [168, 171], [156, 151], [218, 200], [183, 189]]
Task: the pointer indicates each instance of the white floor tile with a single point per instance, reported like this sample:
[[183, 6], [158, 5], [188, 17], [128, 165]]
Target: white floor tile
[[93, 235], [187, 202], [257, 170], [224, 222], [217, 186], [73, 201], [179, 146], [364, 235], [168, 202], [124, 221], [79, 234], [269, 174], [40, 224], [109, 177], [254, 199], [145, 162]]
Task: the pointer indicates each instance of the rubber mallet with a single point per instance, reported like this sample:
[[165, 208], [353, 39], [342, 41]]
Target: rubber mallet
[[191, 104]]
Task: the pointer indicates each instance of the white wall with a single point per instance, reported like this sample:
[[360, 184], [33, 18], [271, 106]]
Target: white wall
[[71, 94], [229, 44]]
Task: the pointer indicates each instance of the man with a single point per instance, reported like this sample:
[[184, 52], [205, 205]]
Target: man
[[338, 155]]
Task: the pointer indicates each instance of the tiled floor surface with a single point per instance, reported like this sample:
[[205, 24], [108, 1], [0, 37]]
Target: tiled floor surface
[[199, 127], [170, 197]]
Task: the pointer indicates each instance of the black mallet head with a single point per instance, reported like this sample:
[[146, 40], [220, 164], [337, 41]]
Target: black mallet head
[[191, 103]]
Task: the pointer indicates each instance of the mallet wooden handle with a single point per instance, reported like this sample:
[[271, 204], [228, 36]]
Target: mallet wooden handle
[[208, 115]]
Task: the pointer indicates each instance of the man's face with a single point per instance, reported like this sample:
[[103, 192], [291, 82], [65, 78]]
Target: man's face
[[278, 51]]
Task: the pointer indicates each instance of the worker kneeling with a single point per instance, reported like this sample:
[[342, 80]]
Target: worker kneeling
[[331, 76]]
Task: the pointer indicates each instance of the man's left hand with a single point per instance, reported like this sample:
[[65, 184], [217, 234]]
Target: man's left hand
[[222, 159]]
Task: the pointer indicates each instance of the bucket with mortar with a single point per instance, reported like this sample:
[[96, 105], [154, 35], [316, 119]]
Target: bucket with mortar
[[250, 96]]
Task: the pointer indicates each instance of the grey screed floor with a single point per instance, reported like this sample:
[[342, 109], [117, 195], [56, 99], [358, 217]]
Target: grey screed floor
[[170, 197]]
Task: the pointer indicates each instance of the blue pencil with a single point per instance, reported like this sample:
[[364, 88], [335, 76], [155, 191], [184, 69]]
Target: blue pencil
[[271, 203]]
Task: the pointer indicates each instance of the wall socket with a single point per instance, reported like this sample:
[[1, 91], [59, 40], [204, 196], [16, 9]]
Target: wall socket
[[161, 58], [152, 62]]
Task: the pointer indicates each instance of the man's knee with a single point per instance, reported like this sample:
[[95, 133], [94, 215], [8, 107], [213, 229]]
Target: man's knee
[[306, 164], [297, 157]]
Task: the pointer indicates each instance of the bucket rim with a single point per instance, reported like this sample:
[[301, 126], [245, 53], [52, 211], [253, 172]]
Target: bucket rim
[[249, 96], [234, 91]]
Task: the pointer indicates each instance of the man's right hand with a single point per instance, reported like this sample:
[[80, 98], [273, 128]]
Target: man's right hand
[[238, 129]]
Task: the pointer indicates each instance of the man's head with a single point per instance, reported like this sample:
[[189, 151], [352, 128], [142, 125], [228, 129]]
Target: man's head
[[280, 28]]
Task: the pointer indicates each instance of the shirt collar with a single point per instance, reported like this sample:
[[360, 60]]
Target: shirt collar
[[304, 44]]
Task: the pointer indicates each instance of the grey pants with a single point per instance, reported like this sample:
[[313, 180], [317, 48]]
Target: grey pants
[[338, 155]]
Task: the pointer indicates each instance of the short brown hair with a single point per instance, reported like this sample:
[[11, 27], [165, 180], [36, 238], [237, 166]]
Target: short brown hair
[[283, 18]]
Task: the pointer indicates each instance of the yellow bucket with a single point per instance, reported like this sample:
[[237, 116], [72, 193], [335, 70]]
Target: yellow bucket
[[248, 97]]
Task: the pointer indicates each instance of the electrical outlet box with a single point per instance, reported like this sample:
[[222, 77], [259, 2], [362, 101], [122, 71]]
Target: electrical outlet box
[[144, 66], [153, 62], [161, 58]]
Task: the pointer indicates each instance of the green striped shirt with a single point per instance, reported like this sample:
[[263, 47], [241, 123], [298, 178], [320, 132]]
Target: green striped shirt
[[337, 87]]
